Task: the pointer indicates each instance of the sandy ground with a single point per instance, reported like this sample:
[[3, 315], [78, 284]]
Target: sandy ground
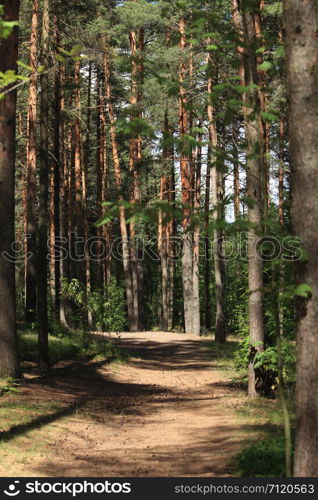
[[165, 413]]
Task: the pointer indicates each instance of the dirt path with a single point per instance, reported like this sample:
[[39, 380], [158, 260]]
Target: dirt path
[[162, 414]]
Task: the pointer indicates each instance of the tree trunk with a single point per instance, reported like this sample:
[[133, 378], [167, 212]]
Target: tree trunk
[[196, 237], [254, 190], [30, 281], [79, 201], [216, 179], [64, 262], [57, 172], [99, 181], [281, 172], [133, 326], [186, 187], [42, 307], [301, 25], [236, 174], [207, 250], [8, 339], [135, 158]]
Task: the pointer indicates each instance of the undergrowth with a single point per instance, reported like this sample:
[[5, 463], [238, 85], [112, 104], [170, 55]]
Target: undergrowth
[[67, 344]]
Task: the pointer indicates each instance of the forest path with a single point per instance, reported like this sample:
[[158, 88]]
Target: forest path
[[167, 412]]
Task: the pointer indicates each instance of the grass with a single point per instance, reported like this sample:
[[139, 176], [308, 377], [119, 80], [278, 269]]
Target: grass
[[24, 433], [266, 456], [71, 345], [223, 358]]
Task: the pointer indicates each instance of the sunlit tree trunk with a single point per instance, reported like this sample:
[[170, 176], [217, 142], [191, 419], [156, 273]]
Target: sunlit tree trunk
[[99, 179], [133, 326], [42, 266], [186, 187], [196, 236], [207, 245], [281, 171], [236, 173], [216, 179], [30, 280], [64, 262], [57, 171], [301, 25], [78, 166], [8, 339], [135, 156], [254, 190]]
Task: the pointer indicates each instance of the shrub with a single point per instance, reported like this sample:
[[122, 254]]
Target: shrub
[[266, 458]]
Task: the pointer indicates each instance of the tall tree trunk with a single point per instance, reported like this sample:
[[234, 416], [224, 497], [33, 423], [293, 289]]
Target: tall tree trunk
[[186, 187], [104, 173], [163, 230], [57, 171], [99, 179], [236, 174], [30, 280], [42, 307], [52, 237], [264, 125], [254, 190], [79, 202], [135, 157], [8, 339], [64, 262], [217, 200], [196, 237], [281, 172], [133, 326], [207, 252], [301, 25]]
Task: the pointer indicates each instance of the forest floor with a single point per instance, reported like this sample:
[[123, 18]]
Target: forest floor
[[169, 411]]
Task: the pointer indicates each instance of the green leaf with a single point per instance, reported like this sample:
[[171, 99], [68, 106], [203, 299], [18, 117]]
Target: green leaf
[[303, 290], [212, 47], [269, 117], [265, 66]]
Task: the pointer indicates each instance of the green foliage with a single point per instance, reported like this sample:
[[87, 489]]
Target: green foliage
[[108, 308], [267, 360], [9, 385], [303, 290], [70, 345], [6, 27], [265, 458]]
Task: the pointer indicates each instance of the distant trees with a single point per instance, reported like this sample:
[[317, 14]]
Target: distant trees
[[301, 25], [8, 62]]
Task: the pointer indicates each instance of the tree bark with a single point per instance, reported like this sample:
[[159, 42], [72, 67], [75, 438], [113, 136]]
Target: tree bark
[[78, 166], [301, 27], [30, 280], [254, 190], [57, 171], [281, 172], [42, 267], [64, 262], [8, 339], [216, 179], [196, 236], [135, 157], [99, 180], [186, 187], [207, 250], [133, 326]]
